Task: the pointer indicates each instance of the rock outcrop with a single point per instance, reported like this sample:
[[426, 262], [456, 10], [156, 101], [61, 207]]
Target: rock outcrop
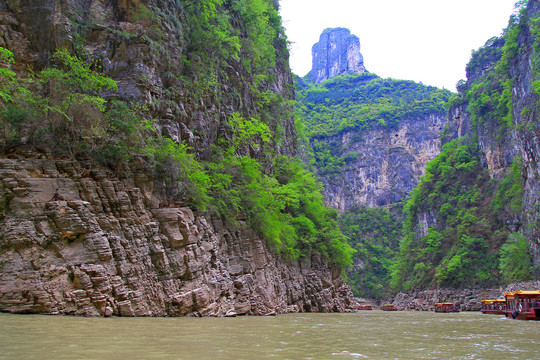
[[83, 242], [336, 53], [387, 164]]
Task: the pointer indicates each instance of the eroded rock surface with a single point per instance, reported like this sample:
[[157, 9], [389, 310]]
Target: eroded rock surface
[[336, 53], [387, 163], [83, 242]]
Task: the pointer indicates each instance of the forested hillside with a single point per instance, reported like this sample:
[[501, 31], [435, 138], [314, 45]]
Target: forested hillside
[[70, 109], [470, 220]]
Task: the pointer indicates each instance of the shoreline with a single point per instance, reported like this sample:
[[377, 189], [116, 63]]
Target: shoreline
[[468, 299]]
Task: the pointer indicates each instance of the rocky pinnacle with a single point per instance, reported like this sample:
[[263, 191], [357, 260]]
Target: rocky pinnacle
[[336, 53]]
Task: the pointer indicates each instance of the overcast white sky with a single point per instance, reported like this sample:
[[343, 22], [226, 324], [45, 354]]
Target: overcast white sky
[[422, 40]]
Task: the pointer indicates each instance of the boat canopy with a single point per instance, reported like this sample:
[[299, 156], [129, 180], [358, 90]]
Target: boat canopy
[[528, 293]]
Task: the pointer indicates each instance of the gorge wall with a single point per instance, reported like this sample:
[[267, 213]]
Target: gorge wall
[[79, 239], [370, 140], [164, 54], [473, 220], [82, 242], [388, 162], [336, 53], [500, 142]]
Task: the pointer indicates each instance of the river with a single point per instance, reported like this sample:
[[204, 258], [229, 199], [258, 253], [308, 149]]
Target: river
[[363, 335]]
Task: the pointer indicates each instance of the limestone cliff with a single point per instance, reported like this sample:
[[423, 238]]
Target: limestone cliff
[[387, 165], [501, 143], [336, 53], [161, 57], [486, 181], [82, 242], [371, 137]]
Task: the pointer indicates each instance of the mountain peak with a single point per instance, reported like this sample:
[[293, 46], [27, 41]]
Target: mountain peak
[[336, 53]]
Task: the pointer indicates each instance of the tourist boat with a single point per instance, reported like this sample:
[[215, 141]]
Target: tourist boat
[[446, 307], [365, 307], [523, 305], [494, 306], [388, 307]]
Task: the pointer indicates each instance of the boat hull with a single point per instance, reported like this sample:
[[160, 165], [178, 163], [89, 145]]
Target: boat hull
[[532, 314], [493, 312]]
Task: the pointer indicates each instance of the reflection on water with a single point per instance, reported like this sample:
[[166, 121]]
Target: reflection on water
[[363, 335]]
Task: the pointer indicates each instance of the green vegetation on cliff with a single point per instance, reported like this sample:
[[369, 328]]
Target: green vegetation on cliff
[[70, 109], [363, 101], [358, 103], [374, 234], [472, 238], [468, 243], [455, 194]]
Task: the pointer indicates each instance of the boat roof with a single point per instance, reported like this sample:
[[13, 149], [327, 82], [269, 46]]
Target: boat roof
[[522, 293], [527, 293], [445, 303]]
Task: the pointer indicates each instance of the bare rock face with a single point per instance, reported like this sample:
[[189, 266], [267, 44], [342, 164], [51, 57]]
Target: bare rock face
[[86, 243], [336, 53], [81, 242], [385, 165]]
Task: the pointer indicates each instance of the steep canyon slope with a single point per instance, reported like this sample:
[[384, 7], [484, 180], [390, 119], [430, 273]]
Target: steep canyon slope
[[473, 219], [102, 211]]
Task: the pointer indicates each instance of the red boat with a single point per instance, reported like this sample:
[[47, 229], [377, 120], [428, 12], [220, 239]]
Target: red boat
[[523, 305], [494, 306], [388, 307], [446, 307]]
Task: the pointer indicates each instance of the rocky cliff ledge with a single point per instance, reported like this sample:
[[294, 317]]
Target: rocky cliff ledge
[[83, 242], [336, 53]]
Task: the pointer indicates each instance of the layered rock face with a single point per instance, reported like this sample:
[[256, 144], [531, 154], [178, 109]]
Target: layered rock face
[[83, 242], [387, 163], [336, 53]]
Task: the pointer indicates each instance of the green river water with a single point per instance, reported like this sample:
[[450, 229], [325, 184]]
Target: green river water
[[363, 335]]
